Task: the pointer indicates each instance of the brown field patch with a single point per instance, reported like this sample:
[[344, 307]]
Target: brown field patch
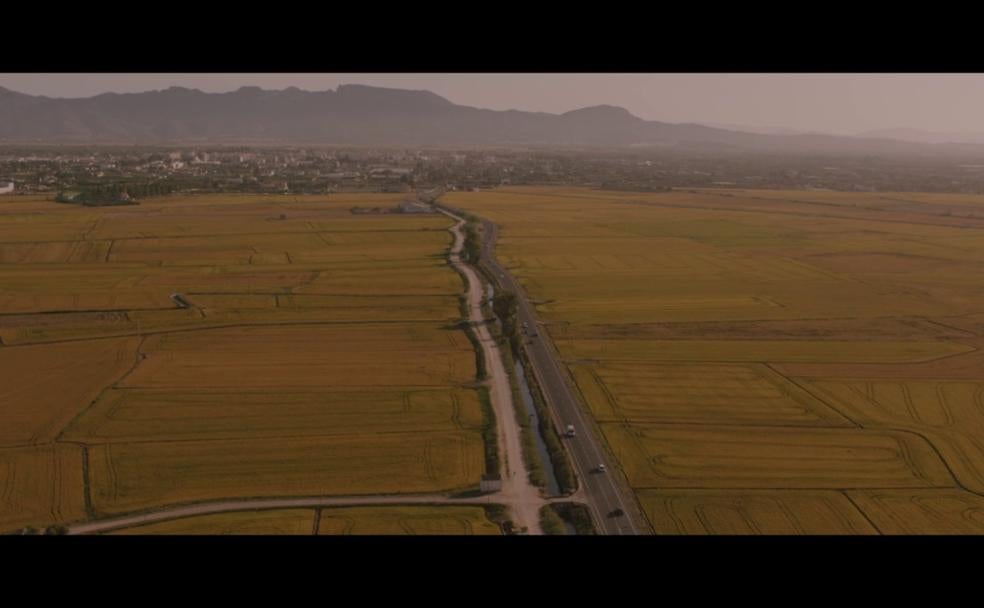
[[923, 512], [961, 366], [273, 521], [40, 486], [53, 252], [407, 519], [307, 355], [752, 512], [799, 351], [702, 394], [45, 386], [146, 415], [779, 458], [949, 414], [888, 329], [135, 476]]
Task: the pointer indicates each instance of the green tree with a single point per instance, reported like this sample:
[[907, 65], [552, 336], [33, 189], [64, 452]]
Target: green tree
[[504, 306]]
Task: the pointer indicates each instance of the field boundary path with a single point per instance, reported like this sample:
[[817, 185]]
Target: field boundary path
[[263, 504], [215, 507], [602, 492]]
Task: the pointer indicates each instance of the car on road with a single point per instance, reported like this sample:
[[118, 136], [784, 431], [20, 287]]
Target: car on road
[[616, 513], [601, 468], [570, 431]]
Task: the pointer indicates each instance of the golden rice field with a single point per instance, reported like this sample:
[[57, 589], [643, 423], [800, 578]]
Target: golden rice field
[[45, 386], [139, 476], [927, 512], [281, 522], [768, 362], [41, 485], [364, 354], [413, 520], [314, 357], [949, 414], [753, 512], [699, 394], [135, 415]]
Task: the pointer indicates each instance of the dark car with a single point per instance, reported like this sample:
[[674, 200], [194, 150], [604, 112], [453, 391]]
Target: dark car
[[616, 513]]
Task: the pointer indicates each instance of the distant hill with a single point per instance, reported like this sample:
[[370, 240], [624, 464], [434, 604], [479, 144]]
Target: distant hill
[[926, 137], [757, 129], [358, 114]]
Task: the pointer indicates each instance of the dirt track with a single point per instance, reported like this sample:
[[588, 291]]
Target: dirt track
[[258, 504], [518, 494]]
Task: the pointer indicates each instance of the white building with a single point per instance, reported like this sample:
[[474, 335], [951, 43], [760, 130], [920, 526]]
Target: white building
[[6, 187], [414, 207]]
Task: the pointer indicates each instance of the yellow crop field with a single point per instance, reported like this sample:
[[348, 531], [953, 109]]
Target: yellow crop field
[[760, 360], [384, 277], [32, 329], [401, 520], [699, 394], [684, 456], [383, 520], [753, 512], [136, 476], [800, 351], [274, 521], [45, 386], [910, 329], [925, 512], [40, 486], [963, 366], [58, 252], [223, 346], [24, 301], [948, 413], [306, 355], [146, 415]]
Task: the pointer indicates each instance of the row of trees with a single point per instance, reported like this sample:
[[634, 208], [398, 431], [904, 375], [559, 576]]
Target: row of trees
[[505, 308], [115, 192], [472, 247]]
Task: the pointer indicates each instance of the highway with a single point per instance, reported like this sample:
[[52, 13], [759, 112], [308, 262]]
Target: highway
[[602, 492]]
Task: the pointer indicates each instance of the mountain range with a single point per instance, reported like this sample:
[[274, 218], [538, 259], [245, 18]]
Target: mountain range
[[364, 115]]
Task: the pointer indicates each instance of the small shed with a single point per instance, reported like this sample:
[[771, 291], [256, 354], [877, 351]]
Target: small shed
[[490, 483]]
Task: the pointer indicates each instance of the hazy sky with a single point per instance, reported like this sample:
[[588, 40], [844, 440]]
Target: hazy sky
[[831, 103]]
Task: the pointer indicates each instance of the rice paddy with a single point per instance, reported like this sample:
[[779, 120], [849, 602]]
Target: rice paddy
[[767, 362], [216, 347]]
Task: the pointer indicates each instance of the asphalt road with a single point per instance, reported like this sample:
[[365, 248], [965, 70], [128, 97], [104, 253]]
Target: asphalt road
[[602, 493]]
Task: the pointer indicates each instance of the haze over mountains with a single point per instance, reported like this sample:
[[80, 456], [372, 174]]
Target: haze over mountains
[[928, 137], [360, 115]]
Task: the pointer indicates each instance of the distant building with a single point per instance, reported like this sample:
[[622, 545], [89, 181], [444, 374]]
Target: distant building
[[6, 187], [389, 173], [415, 207]]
